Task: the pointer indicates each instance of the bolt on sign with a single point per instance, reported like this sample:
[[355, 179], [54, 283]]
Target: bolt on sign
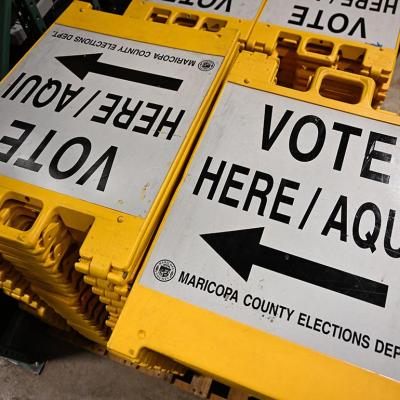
[[96, 123], [277, 260], [210, 15]]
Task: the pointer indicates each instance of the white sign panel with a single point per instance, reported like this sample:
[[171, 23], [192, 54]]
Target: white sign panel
[[366, 21], [288, 221], [98, 117], [245, 9]]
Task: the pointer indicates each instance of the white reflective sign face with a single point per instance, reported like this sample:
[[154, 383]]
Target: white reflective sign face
[[98, 117], [288, 221], [245, 9], [366, 21]]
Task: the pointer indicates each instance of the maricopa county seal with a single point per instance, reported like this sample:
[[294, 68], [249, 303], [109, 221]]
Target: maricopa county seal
[[164, 270], [206, 65]]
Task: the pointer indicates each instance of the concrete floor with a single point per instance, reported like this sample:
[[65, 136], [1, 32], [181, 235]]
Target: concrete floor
[[72, 374]]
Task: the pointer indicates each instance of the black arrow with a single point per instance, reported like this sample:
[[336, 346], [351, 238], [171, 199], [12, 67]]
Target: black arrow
[[242, 249], [82, 64]]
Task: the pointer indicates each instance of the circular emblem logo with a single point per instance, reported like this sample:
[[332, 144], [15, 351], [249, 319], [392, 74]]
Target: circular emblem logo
[[206, 65], [164, 270]]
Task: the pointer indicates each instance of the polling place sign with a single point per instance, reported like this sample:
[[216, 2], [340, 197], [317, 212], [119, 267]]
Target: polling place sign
[[288, 222], [100, 118]]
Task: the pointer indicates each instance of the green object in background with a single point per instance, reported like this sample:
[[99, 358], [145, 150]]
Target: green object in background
[[26, 11], [30, 17], [96, 4], [5, 25]]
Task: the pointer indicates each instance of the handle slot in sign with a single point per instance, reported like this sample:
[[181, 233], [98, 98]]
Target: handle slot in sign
[[344, 87], [165, 16], [318, 46], [188, 20]]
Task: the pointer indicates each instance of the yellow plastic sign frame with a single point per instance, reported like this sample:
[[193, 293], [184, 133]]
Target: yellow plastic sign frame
[[116, 241], [233, 352], [171, 15], [376, 62], [362, 8]]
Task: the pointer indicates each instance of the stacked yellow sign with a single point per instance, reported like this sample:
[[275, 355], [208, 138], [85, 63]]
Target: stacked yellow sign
[[41, 253], [211, 16], [360, 37], [275, 267], [97, 122], [276, 260], [15, 286]]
